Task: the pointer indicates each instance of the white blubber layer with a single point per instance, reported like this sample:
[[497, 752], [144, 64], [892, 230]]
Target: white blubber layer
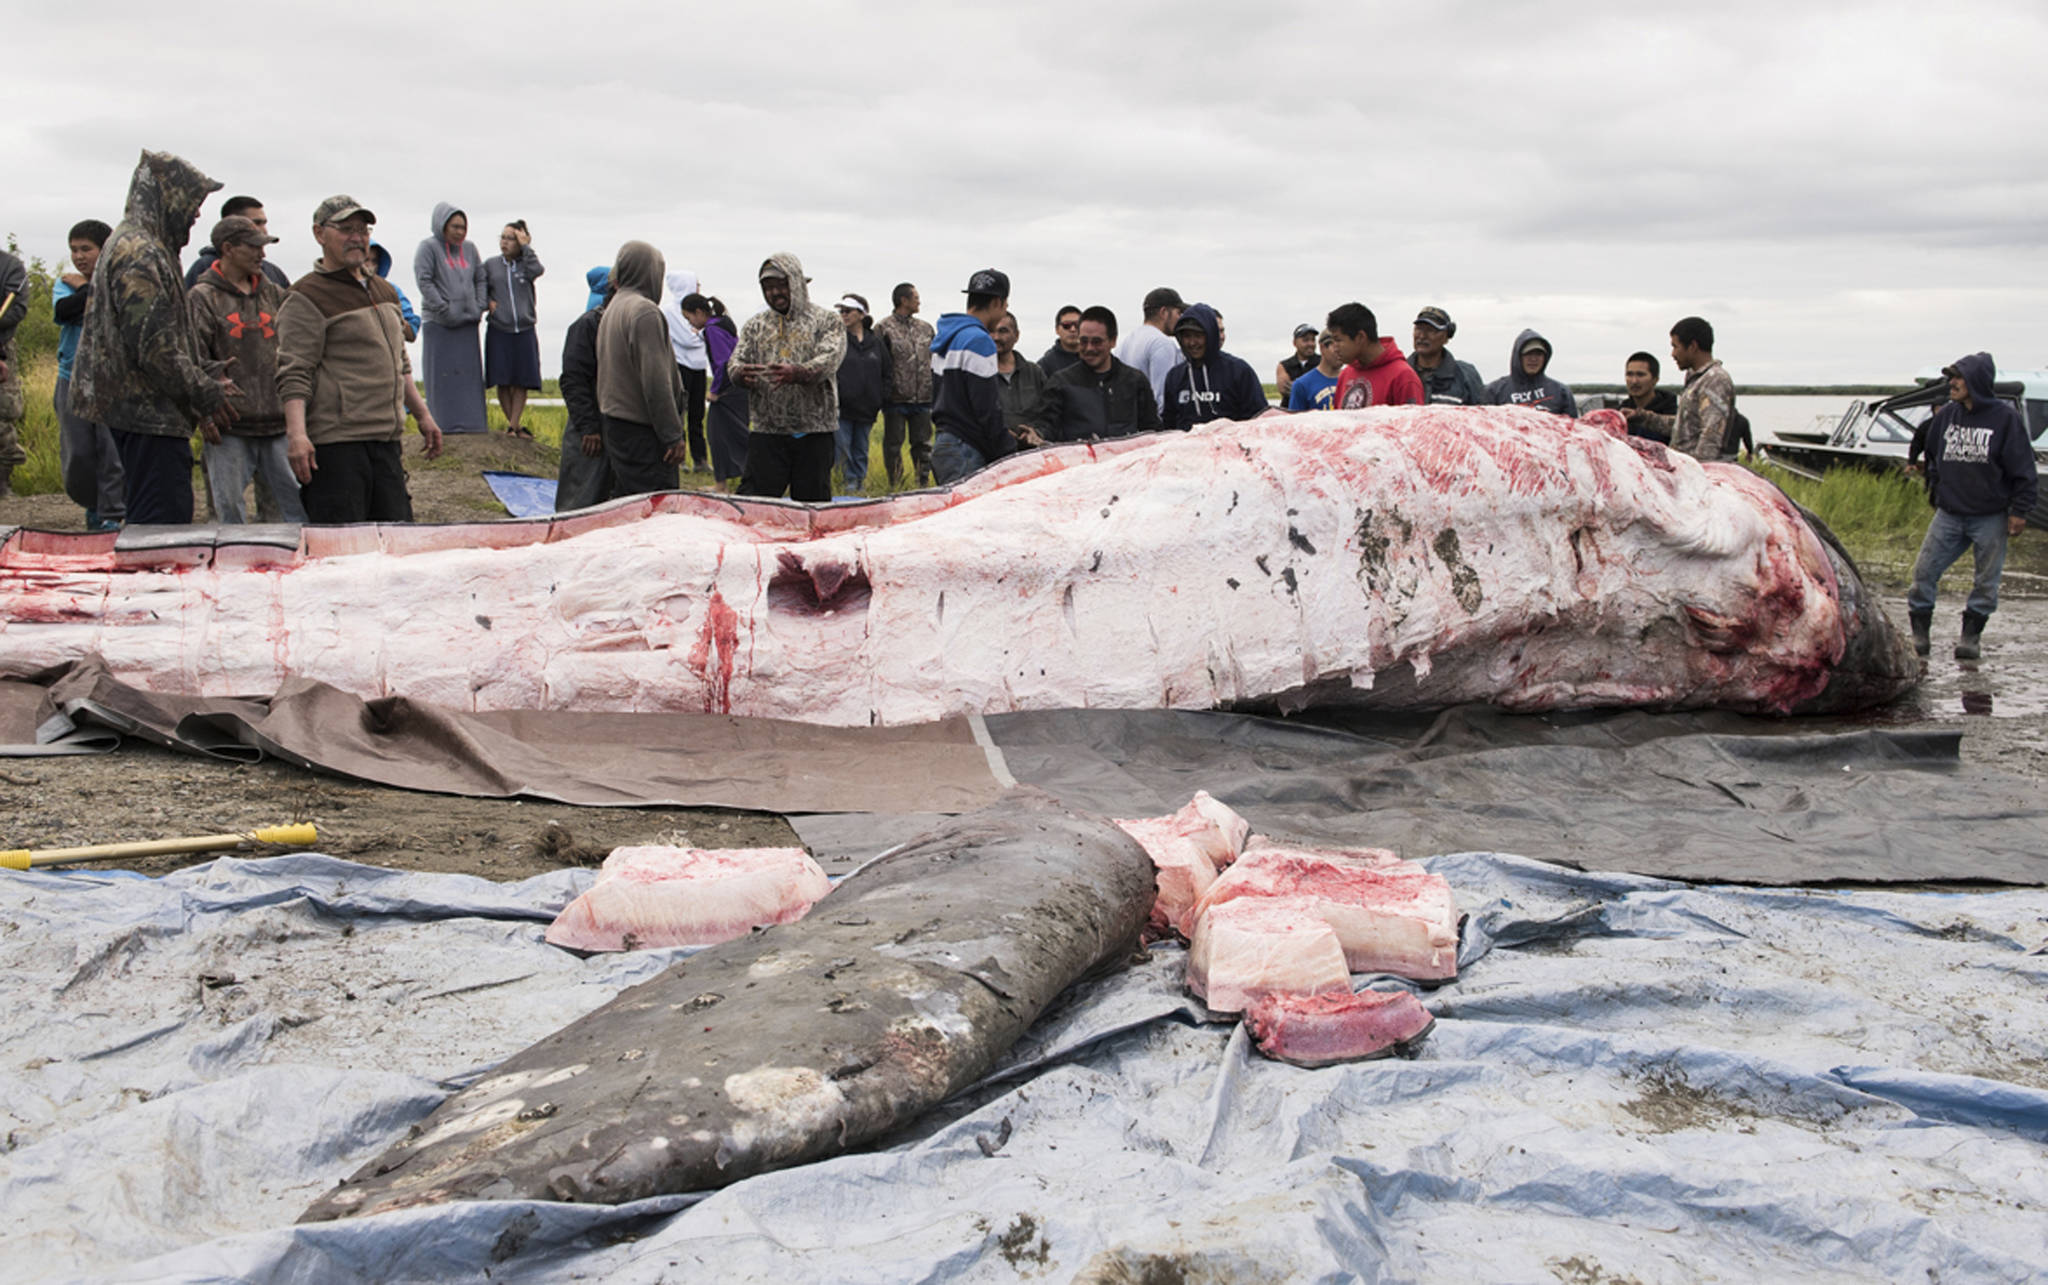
[[665, 896]]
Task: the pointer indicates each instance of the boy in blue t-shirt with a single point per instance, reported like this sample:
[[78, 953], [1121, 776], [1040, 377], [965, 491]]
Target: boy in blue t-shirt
[[86, 453], [1316, 389]]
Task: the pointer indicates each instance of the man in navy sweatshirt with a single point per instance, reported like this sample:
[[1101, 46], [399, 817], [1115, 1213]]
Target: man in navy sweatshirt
[[1210, 383], [967, 409], [1982, 480]]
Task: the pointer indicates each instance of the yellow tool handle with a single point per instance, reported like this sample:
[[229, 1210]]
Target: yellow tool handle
[[27, 859]]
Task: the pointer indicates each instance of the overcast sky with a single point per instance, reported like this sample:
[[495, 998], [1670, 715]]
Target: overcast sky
[[1848, 192]]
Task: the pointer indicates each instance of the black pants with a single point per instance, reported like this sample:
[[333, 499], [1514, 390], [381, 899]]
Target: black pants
[[157, 476], [581, 480], [357, 482], [635, 456], [729, 434], [802, 466], [695, 384]]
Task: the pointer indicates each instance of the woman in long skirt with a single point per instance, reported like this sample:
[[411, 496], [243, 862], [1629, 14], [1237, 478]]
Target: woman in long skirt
[[453, 296], [728, 400]]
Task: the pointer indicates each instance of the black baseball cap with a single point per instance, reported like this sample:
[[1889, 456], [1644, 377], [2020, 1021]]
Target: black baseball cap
[[989, 281], [1305, 329], [1435, 318]]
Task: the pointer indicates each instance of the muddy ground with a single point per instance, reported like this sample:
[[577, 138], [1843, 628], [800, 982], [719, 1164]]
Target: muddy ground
[[140, 792]]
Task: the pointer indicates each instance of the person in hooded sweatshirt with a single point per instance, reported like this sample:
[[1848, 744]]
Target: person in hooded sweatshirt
[[136, 370], [454, 294], [1375, 373], [380, 263], [1525, 384], [234, 311], [1982, 481], [511, 340], [1209, 383], [693, 363], [788, 361], [967, 402], [637, 386], [584, 477]]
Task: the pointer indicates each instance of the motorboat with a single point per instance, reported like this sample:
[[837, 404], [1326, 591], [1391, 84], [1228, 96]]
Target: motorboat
[[1879, 434]]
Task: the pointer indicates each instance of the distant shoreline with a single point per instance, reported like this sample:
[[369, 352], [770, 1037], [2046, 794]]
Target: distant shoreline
[[1782, 390]]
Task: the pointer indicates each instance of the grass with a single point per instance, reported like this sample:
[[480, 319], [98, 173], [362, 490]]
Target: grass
[[42, 474], [1879, 515]]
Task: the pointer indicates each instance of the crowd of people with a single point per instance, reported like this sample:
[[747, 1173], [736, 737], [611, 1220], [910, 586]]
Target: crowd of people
[[303, 388]]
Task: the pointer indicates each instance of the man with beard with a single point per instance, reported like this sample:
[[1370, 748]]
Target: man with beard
[[788, 360]]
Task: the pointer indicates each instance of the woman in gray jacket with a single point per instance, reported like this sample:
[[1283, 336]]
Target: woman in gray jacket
[[511, 344], [453, 298]]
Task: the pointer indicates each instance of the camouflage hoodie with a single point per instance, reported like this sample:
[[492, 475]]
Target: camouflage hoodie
[[807, 336], [137, 368]]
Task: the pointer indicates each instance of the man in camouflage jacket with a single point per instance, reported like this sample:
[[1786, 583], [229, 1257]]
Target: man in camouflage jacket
[[13, 308], [138, 370]]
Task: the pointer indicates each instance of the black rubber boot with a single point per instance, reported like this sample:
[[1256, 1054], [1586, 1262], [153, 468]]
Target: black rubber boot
[[1922, 622], [1971, 645]]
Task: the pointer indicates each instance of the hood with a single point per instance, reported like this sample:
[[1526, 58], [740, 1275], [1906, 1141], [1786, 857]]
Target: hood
[[946, 331], [213, 279], [381, 257], [799, 288], [681, 281], [1516, 374], [639, 268], [443, 212], [165, 195], [598, 278], [1390, 352], [1979, 373], [1203, 314]]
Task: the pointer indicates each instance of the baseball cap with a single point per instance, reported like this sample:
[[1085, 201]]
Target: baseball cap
[[235, 228], [1305, 329], [336, 208], [989, 281], [1435, 318], [1163, 297]]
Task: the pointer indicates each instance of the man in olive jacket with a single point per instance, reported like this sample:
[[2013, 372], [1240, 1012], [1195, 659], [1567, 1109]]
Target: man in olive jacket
[[345, 380]]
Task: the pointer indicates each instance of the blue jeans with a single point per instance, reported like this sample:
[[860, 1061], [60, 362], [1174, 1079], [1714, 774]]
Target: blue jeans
[[853, 453], [232, 461], [953, 459], [1948, 535]]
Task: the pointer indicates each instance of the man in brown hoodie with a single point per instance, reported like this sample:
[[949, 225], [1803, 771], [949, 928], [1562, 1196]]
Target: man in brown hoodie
[[234, 305], [345, 380], [637, 379]]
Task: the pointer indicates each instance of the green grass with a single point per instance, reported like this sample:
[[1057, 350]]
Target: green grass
[[42, 474]]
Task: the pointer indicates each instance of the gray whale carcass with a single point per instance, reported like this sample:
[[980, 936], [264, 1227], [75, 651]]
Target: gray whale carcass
[[1410, 557], [901, 987]]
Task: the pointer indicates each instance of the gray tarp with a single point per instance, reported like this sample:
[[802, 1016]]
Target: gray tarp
[[1711, 797], [1631, 1078]]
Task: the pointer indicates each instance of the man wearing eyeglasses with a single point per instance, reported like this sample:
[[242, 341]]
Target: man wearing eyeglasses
[[1099, 396], [345, 379], [1066, 350]]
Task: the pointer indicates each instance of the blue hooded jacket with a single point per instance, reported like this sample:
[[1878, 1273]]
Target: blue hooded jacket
[[599, 279], [382, 258], [1979, 459], [966, 401], [1219, 386]]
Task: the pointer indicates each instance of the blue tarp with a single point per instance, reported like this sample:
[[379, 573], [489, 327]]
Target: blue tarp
[[1631, 1078], [522, 494]]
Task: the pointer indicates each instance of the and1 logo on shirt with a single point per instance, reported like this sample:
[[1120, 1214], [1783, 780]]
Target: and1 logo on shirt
[[1962, 444]]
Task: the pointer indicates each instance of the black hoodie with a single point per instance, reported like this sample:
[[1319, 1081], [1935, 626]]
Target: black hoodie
[[1538, 391], [1219, 386], [1979, 459]]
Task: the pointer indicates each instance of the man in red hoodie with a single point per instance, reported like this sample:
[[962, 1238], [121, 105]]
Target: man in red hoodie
[[1375, 372]]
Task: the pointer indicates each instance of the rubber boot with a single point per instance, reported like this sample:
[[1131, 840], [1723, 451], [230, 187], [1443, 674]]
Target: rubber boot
[[1971, 645], [1922, 622]]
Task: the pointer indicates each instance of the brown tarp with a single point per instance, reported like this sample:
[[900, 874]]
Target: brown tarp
[[702, 760]]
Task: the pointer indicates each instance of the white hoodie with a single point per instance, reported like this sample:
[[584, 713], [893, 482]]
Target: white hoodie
[[682, 336]]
